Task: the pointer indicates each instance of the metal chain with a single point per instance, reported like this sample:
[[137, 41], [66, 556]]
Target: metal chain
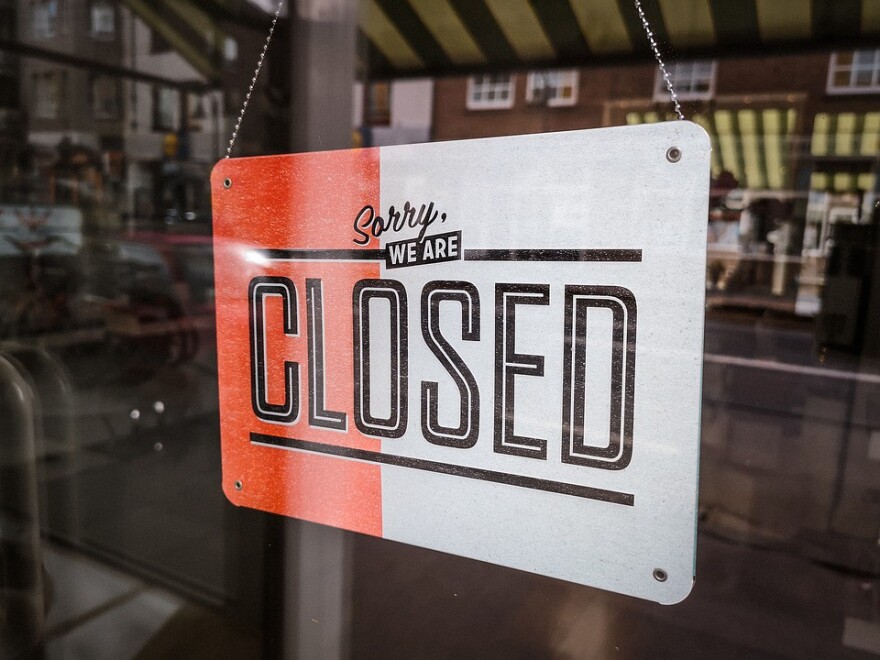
[[666, 77], [253, 84], [650, 34]]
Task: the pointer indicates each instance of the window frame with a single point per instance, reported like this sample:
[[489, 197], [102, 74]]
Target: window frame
[[49, 12], [96, 83], [567, 78], [47, 95], [163, 94], [834, 67], [377, 103], [686, 93], [102, 35], [475, 87]]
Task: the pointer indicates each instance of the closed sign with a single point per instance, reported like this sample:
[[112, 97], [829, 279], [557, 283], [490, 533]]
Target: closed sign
[[488, 347]]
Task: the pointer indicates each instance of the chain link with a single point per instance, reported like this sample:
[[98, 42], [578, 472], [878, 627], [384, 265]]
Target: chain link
[[253, 84], [654, 47], [667, 79]]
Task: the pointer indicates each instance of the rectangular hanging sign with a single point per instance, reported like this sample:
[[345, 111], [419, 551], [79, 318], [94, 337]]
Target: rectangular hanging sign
[[491, 348]]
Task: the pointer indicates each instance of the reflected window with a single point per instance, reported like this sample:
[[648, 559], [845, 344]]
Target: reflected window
[[47, 94], [103, 19], [105, 98], [166, 102], [552, 88], [491, 91], [379, 104], [45, 19], [854, 72], [693, 81], [230, 50]]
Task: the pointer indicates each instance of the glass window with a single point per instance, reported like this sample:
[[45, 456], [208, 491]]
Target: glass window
[[854, 72], [103, 19], [553, 88], [491, 91], [693, 81], [378, 104], [105, 97], [166, 108], [116, 539], [45, 18], [47, 94], [230, 50]]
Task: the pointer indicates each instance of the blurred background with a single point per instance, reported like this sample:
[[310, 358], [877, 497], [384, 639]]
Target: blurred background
[[115, 538]]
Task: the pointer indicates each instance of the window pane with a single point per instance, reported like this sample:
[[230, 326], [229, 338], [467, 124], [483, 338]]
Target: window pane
[[842, 78], [863, 77], [116, 539], [103, 16]]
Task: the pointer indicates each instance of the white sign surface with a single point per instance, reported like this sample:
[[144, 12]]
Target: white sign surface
[[491, 348]]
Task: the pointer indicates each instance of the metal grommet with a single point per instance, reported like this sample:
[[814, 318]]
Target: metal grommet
[[660, 575], [238, 485], [227, 183], [673, 154]]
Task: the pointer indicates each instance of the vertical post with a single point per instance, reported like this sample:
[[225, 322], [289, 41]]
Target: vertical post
[[317, 584], [53, 431], [323, 56], [21, 581]]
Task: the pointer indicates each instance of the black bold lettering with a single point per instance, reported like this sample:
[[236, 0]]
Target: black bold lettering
[[509, 364], [261, 288], [318, 415], [622, 303], [466, 433], [394, 425]]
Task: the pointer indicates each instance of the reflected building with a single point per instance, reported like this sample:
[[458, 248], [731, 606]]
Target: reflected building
[[393, 112], [74, 113], [124, 105], [794, 151]]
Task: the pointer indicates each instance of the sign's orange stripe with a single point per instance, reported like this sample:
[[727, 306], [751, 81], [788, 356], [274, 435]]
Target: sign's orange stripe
[[307, 201]]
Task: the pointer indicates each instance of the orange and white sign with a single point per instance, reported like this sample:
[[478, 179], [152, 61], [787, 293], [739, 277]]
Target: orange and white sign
[[490, 347]]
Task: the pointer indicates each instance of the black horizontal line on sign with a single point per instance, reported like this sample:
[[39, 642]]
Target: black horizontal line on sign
[[609, 255], [553, 255], [481, 474], [322, 255]]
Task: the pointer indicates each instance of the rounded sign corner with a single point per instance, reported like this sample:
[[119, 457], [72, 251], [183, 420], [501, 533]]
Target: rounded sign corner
[[680, 593], [232, 491], [219, 174], [694, 131]]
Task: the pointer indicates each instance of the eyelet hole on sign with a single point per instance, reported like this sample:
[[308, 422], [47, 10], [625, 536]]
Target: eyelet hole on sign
[[673, 154], [238, 485], [660, 575], [227, 183]]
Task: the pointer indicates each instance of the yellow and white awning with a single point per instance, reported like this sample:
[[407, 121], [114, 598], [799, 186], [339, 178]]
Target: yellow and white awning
[[845, 147], [408, 37], [443, 37]]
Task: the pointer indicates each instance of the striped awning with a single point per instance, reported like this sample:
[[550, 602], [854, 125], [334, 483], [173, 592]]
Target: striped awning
[[846, 134], [441, 37], [415, 37], [757, 146], [845, 147]]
